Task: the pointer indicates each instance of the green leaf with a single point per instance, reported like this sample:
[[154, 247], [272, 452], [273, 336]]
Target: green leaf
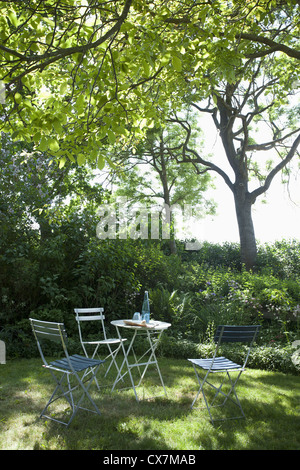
[[18, 97], [43, 144], [101, 162], [177, 64], [80, 104], [165, 59], [102, 101], [146, 68], [63, 88], [143, 123], [15, 135], [13, 18], [49, 21], [57, 126], [53, 145], [36, 137], [80, 159], [71, 157], [62, 162], [49, 38], [111, 136]]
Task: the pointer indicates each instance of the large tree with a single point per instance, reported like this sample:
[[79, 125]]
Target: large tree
[[258, 122], [80, 75], [36, 195], [249, 84]]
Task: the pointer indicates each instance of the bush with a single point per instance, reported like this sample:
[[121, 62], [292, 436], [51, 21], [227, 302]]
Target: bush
[[193, 291], [280, 258], [265, 357], [273, 358], [226, 296]]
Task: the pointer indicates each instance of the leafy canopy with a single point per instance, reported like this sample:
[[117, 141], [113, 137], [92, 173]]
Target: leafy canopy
[[82, 75]]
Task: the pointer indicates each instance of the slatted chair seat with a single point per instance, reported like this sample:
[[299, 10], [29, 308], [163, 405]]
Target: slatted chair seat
[[221, 364], [103, 341], [218, 364], [75, 362]]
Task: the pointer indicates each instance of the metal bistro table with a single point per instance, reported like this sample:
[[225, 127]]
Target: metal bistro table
[[151, 330]]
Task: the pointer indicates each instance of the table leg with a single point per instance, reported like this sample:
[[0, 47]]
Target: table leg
[[125, 360], [154, 361], [151, 360]]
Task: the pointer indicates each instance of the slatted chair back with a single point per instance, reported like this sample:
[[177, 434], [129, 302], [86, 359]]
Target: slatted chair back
[[236, 334], [51, 331], [112, 344], [88, 315]]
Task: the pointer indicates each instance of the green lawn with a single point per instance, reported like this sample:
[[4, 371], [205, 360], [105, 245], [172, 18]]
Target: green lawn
[[271, 402]]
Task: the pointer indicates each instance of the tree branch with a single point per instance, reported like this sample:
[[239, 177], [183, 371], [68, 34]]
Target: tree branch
[[270, 145], [198, 159], [257, 192], [275, 46], [38, 60]]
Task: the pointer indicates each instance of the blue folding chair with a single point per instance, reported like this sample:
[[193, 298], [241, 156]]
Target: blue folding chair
[[69, 366], [214, 365]]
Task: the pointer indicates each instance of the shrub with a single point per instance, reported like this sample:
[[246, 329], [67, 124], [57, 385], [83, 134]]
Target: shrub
[[193, 291], [265, 357]]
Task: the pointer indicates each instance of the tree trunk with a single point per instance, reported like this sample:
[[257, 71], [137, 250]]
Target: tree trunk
[[45, 229], [243, 206], [173, 247], [166, 191]]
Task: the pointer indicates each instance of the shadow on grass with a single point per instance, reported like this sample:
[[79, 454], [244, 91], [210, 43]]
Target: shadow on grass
[[269, 400]]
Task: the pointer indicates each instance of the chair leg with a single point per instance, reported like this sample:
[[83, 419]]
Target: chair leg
[[52, 399], [218, 391], [232, 390], [87, 372], [68, 395], [113, 354], [201, 390], [85, 394]]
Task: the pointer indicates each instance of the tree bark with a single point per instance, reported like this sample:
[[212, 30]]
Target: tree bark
[[243, 207], [242, 198], [166, 191]]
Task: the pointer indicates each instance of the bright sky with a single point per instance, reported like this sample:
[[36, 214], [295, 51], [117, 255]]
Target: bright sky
[[278, 218]]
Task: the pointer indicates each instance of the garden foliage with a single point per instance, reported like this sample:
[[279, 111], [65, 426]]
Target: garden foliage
[[194, 291]]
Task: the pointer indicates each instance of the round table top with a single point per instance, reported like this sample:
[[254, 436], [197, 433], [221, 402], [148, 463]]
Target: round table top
[[152, 325]]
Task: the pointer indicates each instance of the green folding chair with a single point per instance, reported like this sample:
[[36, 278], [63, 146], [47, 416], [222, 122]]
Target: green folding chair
[[62, 370], [217, 365]]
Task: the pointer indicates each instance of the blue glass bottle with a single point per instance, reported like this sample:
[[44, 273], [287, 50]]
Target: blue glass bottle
[[146, 308]]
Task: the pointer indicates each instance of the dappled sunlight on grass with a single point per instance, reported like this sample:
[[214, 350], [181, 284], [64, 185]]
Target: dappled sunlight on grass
[[270, 401]]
